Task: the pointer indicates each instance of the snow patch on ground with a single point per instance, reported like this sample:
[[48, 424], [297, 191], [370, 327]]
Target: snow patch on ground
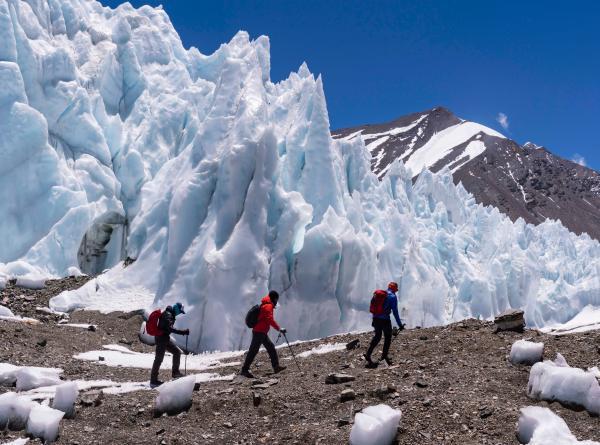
[[325, 348], [28, 377], [588, 319], [116, 355]]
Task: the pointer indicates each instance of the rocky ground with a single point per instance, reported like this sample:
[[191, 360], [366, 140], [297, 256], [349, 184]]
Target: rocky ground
[[453, 384]]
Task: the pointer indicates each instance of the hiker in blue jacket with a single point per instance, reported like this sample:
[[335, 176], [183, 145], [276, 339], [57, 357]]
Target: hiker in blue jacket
[[383, 325]]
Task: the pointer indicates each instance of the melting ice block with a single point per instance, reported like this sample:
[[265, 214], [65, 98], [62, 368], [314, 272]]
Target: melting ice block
[[525, 352], [31, 377], [65, 397], [540, 426], [14, 411], [375, 425], [43, 422], [175, 396], [555, 380]]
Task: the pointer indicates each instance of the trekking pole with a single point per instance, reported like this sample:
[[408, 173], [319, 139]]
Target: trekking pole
[[186, 353], [292, 351], [278, 337]]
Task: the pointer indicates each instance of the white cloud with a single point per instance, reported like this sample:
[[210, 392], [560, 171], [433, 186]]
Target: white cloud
[[578, 159], [502, 120]]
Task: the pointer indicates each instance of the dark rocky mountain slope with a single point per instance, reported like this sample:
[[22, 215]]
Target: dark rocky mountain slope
[[523, 181]]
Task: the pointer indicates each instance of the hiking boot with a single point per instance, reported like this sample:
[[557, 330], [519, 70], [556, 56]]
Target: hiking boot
[[387, 360], [246, 373], [368, 359], [278, 369], [177, 375], [155, 383]]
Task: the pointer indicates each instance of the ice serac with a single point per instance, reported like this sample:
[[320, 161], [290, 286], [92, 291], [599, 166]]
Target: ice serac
[[116, 141]]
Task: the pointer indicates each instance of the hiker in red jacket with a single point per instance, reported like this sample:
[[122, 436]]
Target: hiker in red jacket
[[260, 335]]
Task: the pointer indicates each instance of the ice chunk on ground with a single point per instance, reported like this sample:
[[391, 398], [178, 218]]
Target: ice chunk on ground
[[14, 411], [175, 396], [43, 423], [526, 352], [65, 397], [375, 425], [540, 426], [6, 312], [31, 282], [31, 377], [559, 382]]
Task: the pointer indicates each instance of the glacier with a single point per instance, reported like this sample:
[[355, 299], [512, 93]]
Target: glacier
[[218, 184]]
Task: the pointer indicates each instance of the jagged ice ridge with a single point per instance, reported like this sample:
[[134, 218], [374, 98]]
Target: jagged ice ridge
[[116, 141]]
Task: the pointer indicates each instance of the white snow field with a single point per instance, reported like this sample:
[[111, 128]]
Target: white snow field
[[557, 381], [526, 352], [540, 426], [375, 425], [116, 141]]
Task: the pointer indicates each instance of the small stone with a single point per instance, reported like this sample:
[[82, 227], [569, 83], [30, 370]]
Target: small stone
[[160, 431], [141, 411], [256, 398], [347, 395], [88, 429], [124, 341], [486, 412], [423, 337], [421, 383], [91, 328], [427, 402], [92, 398], [147, 423], [228, 425], [339, 378], [42, 343], [343, 422], [100, 359], [353, 344]]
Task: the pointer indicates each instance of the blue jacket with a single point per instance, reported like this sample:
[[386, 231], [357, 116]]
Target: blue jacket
[[390, 305]]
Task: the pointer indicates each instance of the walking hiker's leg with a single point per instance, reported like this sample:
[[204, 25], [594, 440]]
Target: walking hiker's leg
[[387, 333], [159, 355], [270, 347], [253, 350], [173, 349], [376, 338]]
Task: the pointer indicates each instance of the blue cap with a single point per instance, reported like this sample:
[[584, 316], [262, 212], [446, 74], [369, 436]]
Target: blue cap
[[178, 309]]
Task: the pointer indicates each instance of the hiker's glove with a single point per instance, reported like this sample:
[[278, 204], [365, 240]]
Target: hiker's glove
[[401, 327], [283, 331], [186, 332], [395, 331]]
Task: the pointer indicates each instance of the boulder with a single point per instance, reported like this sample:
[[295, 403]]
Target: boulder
[[510, 320], [347, 395], [353, 344], [339, 378]]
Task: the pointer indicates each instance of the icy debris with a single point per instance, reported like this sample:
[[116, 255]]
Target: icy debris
[[6, 312], [79, 325], [7, 315], [117, 355], [43, 423], [175, 396], [325, 348], [31, 282], [14, 411], [30, 377], [556, 381], [64, 398], [525, 352], [540, 426], [375, 425]]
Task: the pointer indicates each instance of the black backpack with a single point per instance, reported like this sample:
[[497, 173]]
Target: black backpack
[[252, 316]]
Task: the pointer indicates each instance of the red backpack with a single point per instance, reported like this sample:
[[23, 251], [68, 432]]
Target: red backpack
[[152, 324], [377, 302]]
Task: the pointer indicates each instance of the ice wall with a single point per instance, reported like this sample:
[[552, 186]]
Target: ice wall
[[223, 184]]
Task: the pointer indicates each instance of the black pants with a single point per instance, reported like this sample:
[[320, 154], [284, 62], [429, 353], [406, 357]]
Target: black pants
[[163, 344], [384, 327], [258, 338]]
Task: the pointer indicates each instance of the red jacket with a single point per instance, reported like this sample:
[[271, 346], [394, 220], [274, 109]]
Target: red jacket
[[265, 317]]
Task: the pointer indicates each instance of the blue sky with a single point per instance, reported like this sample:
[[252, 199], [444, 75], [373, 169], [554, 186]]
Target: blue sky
[[536, 62]]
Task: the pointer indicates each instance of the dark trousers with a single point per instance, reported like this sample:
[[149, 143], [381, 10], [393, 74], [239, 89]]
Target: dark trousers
[[384, 327], [163, 344], [258, 338]]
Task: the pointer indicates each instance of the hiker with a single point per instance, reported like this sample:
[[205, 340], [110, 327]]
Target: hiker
[[260, 335], [164, 342], [382, 305]]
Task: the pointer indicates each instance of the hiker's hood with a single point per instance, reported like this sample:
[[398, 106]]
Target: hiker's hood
[[266, 300]]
